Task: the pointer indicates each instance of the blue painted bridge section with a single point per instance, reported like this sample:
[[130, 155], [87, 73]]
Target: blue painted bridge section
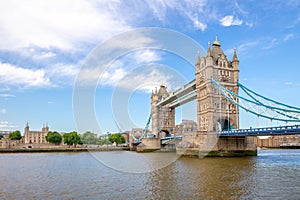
[[279, 130], [268, 131]]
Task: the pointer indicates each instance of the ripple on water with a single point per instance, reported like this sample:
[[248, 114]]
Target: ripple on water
[[271, 175]]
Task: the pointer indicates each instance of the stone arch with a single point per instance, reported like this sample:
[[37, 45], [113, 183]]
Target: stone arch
[[164, 133], [225, 124]]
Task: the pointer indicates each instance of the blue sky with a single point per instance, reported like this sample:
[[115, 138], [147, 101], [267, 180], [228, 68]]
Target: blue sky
[[44, 45]]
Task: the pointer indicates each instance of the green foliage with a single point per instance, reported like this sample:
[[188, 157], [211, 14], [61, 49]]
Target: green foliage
[[88, 138], [16, 135], [1, 136], [72, 138], [117, 138], [54, 137], [103, 141]]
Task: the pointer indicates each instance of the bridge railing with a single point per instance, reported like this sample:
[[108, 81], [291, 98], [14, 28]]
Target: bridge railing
[[279, 130]]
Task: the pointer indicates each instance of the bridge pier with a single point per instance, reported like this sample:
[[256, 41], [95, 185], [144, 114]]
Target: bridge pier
[[149, 145], [197, 144]]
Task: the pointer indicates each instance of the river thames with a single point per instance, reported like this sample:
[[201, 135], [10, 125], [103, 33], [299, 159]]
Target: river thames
[[273, 174]]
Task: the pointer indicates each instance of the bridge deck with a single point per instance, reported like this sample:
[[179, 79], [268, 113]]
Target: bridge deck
[[280, 130]]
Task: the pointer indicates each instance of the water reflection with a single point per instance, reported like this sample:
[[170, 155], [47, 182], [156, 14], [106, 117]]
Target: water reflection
[[212, 178], [132, 162], [271, 175]]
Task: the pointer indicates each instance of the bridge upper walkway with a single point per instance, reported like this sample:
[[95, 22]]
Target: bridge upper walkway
[[180, 96]]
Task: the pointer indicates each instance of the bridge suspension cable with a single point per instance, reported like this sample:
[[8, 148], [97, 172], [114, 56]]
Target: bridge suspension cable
[[145, 130], [259, 105]]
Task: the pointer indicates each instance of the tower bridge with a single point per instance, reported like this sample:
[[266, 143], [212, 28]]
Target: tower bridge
[[216, 90]]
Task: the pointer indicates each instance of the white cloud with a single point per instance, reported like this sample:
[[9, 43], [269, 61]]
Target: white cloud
[[200, 25], [7, 95], [193, 10], [61, 73], [112, 77], [13, 75], [44, 55], [118, 69], [57, 23], [121, 67], [288, 83], [146, 56], [148, 77], [6, 125], [3, 111], [289, 37], [230, 21], [242, 48], [271, 43], [249, 24], [137, 70]]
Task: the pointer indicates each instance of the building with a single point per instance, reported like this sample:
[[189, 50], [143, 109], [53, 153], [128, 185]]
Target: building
[[276, 141], [36, 137], [185, 127], [136, 133]]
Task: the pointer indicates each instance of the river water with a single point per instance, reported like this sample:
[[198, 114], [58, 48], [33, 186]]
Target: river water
[[273, 174]]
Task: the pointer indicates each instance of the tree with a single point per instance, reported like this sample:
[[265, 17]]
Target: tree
[[103, 141], [72, 138], [117, 138], [1, 136], [16, 135], [88, 138], [54, 137]]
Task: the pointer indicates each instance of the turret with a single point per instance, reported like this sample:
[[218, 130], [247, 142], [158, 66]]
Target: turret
[[26, 133], [235, 60], [209, 60], [198, 62]]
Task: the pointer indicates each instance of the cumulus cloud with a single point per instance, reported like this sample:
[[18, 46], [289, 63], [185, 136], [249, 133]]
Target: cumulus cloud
[[118, 69], [146, 78], [14, 75], [229, 20], [62, 73], [56, 23]]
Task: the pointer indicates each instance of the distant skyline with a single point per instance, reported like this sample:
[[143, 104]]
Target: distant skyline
[[44, 44]]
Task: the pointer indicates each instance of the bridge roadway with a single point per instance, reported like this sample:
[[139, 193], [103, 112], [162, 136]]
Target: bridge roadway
[[180, 96], [268, 131]]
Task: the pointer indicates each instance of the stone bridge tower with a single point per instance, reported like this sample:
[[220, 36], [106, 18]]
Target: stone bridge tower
[[214, 112], [163, 117]]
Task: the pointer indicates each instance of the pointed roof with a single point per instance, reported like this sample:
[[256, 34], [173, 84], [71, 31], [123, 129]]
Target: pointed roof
[[216, 42], [198, 59], [162, 91], [208, 54], [235, 58], [216, 50]]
